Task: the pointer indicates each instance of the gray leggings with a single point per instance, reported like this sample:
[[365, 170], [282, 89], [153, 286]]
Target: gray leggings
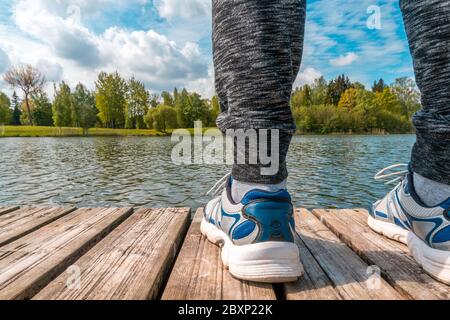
[[258, 46]]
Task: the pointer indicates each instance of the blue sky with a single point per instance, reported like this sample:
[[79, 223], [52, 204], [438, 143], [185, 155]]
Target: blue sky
[[167, 43]]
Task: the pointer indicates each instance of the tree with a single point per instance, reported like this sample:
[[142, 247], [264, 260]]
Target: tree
[[42, 112], [154, 100], [137, 104], [62, 106], [15, 121], [365, 112], [84, 100], [378, 86], [110, 97], [408, 95], [358, 85], [215, 108], [180, 107], [349, 99], [319, 91], [336, 88], [161, 118], [5, 109], [301, 97], [168, 100], [387, 100], [28, 79], [194, 110], [175, 96]]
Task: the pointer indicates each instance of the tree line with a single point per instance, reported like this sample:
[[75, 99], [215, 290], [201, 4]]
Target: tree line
[[340, 106], [115, 103], [323, 107]]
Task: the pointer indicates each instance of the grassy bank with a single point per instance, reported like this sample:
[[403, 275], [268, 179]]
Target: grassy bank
[[28, 131]]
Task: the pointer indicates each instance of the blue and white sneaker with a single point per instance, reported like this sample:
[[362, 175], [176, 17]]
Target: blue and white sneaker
[[256, 235], [402, 216]]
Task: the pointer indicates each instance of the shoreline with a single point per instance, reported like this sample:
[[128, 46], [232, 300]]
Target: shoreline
[[54, 132]]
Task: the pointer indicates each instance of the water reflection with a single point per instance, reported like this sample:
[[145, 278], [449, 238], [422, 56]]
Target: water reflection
[[330, 171]]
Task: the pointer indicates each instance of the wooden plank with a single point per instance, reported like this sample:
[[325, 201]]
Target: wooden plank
[[315, 284], [17, 224], [31, 262], [130, 263], [397, 266], [198, 273], [4, 210], [348, 272]]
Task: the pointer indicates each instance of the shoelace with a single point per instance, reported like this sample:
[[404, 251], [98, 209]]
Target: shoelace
[[219, 186], [384, 174]]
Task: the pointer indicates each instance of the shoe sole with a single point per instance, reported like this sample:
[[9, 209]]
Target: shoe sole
[[269, 262], [435, 262], [389, 230]]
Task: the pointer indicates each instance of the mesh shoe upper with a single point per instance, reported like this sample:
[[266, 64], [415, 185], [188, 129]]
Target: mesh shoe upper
[[260, 217], [403, 207]]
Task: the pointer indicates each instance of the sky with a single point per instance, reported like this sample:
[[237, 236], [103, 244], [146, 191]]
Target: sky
[[167, 43]]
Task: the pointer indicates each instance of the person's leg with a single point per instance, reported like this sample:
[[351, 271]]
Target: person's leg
[[428, 27], [258, 48], [257, 53], [417, 211]]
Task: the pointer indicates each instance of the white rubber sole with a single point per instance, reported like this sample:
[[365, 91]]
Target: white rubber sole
[[435, 262], [269, 262], [389, 230]]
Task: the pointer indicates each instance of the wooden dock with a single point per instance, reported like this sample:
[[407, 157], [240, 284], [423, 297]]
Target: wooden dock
[[127, 254]]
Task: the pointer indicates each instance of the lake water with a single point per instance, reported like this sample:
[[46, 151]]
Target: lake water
[[326, 171]]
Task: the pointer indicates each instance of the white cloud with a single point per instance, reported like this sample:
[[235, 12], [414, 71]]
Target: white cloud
[[307, 76], [53, 38], [204, 86], [184, 9], [344, 60], [53, 71], [151, 57], [335, 27]]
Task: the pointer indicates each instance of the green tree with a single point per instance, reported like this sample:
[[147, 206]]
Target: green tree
[[5, 109], [110, 97], [161, 118], [168, 100], [175, 96], [137, 104], [153, 100], [42, 111], [365, 112], [301, 97], [25, 115], [15, 121], [84, 100], [379, 86], [387, 100], [336, 88], [358, 85], [180, 107], [62, 106], [215, 108], [319, 91], [408, 95], [195, 110]]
